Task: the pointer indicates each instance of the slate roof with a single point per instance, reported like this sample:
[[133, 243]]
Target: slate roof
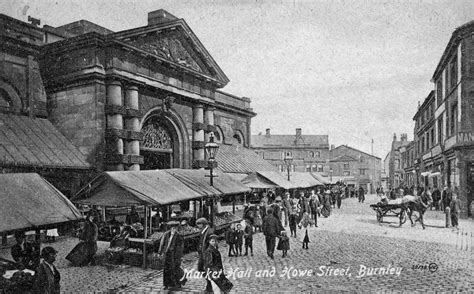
[[238, 159], [261, 141], [35, 142], [343, 157]]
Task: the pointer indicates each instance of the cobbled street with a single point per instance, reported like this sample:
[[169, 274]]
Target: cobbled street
[[350, 239]]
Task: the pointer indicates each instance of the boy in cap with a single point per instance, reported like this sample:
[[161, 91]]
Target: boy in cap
[[47, 277], [248, 236], [230, 240], [239, 239]]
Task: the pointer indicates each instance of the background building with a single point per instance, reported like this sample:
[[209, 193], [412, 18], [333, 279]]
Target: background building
[[395, 171], [356, 167], [309, 152]]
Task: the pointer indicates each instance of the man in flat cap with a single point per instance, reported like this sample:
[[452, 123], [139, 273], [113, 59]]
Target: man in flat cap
[[171, 248], [206, 232]]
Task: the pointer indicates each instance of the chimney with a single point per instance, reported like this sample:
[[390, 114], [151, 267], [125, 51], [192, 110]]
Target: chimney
[[267, 132], [160, 16], [394, 137], [298, 132], [403, 137], [332, 147]]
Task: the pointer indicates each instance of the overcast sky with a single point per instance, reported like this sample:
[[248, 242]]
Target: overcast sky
[[354, 70]]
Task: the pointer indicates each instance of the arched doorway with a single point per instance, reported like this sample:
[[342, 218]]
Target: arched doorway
[[164, 143]]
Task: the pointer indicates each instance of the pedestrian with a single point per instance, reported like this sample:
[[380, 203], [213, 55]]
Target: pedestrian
[[339, 199], [204, 236], [326, 209], [133, 217], [455, 210], [361, 195], [84, 253], [230, 240], [248, 237], [26, 254], [284, 244], [286, 207], [171, 251], [214, 269], [305, 221], [47, 278], [293, 221], [277, 209], [258, 221], [271, 229], [314, 206], [239, 239]]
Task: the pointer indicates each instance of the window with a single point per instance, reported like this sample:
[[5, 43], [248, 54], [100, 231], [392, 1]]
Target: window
[[432, 137], [346, 173], [320, 167], [446, 87], [314, 168], [439, 92], [317, 154], [311, 153], [454, 72], [346, 165], [308, 168], [454, 114], [361, 159], [427, 140], [362, 172], [440, 130]]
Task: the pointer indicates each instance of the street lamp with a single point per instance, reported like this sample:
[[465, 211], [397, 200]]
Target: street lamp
[[330, 175], [211, 150], [288, 160]]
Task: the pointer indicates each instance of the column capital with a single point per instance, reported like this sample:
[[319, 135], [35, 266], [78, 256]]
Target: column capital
[[210, 108], [114, 82], [132, 88], [198, 105]]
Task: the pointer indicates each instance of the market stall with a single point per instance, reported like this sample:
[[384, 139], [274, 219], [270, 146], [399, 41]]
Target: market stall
[[29, 203], [164, 195]]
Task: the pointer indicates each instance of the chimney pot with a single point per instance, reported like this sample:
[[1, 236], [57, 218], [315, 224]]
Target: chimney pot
[[298, 132], [267, 132]]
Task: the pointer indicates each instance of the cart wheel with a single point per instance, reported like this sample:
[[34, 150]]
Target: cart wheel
[[403, 217], [379, 216]]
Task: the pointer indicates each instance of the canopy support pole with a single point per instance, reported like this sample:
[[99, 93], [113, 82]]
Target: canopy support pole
[[233, 205], [145, 236]]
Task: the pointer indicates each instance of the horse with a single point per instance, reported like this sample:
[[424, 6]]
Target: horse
[[414, 203]]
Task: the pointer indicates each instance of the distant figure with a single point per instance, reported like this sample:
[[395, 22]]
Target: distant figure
[[271, 229], [361, 195], [284, 244], [133, 217], [248, 237], [230, 240], [24, 253], [455, 210]]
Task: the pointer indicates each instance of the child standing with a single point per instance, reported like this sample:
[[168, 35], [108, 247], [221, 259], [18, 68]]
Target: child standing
[[239, 235], [284, 243], [258, 220], [293, 221], [230, 240], [248, 236], [305, 220]]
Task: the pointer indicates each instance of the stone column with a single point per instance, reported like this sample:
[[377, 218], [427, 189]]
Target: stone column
[[115, 121], [209, 120], [132, 124], [198, 132]]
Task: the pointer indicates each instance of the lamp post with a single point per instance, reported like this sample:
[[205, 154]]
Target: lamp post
[[330, 175], [211, 151], [288, 160]]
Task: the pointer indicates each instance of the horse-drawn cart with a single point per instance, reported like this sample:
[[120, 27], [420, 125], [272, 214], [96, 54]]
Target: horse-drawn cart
[[389, 208]]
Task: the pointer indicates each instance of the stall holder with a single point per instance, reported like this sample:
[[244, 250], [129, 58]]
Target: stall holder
[[29, 202]]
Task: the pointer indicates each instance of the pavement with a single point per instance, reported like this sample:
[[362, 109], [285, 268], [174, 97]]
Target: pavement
[[349, 251]]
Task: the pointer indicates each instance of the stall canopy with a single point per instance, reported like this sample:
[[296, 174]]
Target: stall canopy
[[155, 187], [304, 180], [256, 181], [198, 180], [126, 188], [324, 180], [29, 202], [278, 179]]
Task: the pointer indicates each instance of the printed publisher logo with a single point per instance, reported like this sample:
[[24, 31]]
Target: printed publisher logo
[[431, 267]]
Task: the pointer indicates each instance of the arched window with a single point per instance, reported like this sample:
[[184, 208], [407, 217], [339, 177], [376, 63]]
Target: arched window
[[218, 135], [5, 101], [239, 138], [317, 154], [308, 168], [311, 153], [314, 168]]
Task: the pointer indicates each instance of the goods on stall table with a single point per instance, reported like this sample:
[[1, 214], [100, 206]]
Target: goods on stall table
[[188, 230], [157, 235], [225, 217]]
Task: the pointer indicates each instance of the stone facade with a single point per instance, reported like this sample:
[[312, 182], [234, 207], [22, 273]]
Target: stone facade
[[357, 167], [309, 152], [143, 98]]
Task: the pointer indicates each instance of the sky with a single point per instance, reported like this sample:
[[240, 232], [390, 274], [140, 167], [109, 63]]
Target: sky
[[353, 70]]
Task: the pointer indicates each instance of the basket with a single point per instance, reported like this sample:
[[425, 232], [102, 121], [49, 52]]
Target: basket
[[113, 256], [133, 258], [154, 261]]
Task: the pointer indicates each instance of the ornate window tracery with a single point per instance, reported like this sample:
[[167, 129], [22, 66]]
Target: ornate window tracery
[[156, 137]]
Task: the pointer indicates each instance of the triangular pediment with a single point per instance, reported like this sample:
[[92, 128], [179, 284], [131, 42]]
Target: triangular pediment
[[175, 43]]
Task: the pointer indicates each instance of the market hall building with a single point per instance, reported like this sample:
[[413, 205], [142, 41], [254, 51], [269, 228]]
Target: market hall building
[[144, 98]]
